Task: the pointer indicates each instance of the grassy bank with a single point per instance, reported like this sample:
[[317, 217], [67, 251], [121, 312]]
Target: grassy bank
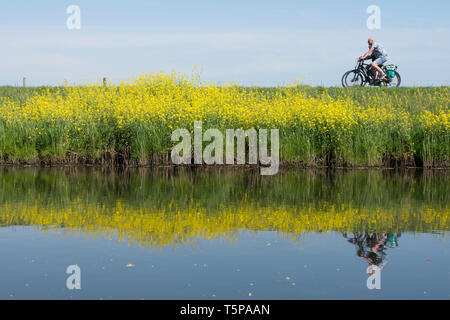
[[132, 123]]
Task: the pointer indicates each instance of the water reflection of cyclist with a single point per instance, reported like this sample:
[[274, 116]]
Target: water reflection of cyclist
[[371, 247], [373, 252]]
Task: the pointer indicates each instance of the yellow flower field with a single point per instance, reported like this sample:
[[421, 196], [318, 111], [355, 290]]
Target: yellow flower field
[[133, 121]]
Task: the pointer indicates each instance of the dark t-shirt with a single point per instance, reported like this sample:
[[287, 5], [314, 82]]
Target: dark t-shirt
[[378, 51]]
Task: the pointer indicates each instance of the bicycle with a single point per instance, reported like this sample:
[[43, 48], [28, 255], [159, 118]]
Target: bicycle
[[362, 75]]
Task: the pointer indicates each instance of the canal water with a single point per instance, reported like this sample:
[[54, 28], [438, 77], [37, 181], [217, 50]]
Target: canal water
[[223, 233]]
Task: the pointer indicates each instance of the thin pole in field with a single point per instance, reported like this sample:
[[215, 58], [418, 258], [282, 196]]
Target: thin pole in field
[[104, 81], [24, 82]]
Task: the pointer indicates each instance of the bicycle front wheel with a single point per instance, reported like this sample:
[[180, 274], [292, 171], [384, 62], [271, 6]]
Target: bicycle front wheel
[[353, 78]]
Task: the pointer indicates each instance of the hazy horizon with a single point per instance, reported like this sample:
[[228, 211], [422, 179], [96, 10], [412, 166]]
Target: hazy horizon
[[260, 43]]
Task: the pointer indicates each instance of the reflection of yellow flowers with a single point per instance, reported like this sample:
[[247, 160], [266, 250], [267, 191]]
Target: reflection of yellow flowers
[[156, 227]]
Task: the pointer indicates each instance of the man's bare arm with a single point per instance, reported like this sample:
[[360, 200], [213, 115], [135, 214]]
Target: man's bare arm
[[367, 55]]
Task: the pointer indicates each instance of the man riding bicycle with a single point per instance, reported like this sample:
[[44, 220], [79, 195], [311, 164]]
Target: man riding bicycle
[[379, 56]]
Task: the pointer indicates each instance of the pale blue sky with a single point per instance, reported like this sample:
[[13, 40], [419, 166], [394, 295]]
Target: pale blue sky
[[254, 42]]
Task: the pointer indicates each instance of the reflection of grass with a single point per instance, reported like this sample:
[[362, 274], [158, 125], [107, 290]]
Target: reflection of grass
[[211, 188], [158, 208]]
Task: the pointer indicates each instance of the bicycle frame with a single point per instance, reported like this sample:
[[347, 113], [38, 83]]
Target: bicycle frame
[[363, 73], [362, 67], [366, 72]]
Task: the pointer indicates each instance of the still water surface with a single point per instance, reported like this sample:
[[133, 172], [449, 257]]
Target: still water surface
[[224, 234]]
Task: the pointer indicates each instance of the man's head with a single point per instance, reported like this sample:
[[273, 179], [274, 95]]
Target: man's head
[[370, 42]]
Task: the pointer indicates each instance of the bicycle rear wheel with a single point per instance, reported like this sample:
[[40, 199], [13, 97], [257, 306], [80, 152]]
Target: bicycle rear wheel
[[353, 78], [394, 82]]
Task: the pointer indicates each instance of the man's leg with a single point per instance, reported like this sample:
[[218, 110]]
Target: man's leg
[[375, 68], [374, 71]]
